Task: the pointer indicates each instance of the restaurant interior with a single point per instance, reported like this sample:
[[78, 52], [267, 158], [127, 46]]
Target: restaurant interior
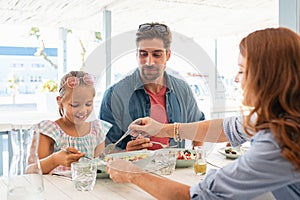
[[73, 32]]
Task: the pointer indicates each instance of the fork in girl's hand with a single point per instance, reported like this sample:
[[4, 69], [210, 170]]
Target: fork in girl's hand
[[65, 150]]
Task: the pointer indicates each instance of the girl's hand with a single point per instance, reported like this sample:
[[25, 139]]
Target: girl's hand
[[146, 126], [68, 155]]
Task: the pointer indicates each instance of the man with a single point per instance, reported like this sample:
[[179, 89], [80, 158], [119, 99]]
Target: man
[[149, 91]]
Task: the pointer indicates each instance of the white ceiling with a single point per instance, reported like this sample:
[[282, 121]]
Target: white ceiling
[[194, 18]]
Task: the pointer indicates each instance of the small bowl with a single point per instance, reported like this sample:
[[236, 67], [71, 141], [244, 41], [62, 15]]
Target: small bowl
[[184, 163]]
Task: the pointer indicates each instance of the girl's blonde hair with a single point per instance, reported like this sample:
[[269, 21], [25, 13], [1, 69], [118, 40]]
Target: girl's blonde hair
[[64, 86]]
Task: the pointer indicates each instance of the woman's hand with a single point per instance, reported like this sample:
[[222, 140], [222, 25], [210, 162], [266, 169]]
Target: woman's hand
[[146, 126], [121, 171]]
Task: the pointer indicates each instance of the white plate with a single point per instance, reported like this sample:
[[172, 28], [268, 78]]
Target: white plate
[[135, 156], [130, 155], [230, 155]]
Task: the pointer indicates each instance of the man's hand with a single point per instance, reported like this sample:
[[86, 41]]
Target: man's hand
[[138, 144]]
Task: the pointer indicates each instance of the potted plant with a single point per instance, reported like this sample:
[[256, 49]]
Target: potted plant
[[47, 97], [50, 86]]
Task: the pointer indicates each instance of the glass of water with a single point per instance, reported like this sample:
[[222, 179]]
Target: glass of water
[[84, 173], [165, 161]]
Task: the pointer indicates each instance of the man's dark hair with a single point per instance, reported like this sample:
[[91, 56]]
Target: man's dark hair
[[153, 30]]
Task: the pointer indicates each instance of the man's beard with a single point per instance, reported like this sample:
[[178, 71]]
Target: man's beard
[[153, 75]]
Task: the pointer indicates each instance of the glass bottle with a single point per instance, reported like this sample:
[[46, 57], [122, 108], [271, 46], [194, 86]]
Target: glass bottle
[[200, 163]]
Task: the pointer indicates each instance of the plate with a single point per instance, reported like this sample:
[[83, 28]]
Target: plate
[[230, 155], [130, 155], [184, 163], [133, 156]]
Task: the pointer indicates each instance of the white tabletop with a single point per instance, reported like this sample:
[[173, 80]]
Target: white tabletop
[[61, 188]]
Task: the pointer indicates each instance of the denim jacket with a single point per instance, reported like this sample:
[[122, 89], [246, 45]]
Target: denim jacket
[[127, 100]]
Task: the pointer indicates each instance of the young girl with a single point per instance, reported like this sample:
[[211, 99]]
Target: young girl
[[71, 137]]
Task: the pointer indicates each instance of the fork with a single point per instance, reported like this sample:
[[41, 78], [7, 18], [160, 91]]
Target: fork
[[65, 150], [109, 148], [164, 145]]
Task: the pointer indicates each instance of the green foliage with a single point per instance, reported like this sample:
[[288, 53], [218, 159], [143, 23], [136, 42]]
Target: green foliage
[[50, 86], [35, 31], [13, 82], [98, 36]]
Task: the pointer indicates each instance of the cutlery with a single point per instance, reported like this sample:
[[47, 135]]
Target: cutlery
[[109, 148], [65, 150], [164, 145]]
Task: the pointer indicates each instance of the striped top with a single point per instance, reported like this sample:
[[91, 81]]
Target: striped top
[[86, 143]]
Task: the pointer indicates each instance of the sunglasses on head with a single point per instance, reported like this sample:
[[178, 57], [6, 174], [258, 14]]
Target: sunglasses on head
[[74, 81], [156, 53], [148, 26]]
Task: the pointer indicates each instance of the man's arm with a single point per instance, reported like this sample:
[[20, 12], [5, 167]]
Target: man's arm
[[106, 114]]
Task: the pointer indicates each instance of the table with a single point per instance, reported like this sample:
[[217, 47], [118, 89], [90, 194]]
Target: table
[[61, 188]]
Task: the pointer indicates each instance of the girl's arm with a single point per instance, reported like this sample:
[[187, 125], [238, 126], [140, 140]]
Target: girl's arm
[[45, 151], [49, 159]]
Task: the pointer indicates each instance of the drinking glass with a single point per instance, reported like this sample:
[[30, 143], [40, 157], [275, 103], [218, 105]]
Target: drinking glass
[[200, 162], [25, 179], [164, 161], [84, 173]]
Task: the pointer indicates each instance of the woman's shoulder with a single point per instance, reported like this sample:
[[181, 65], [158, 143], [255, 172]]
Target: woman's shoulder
[[266, 136]]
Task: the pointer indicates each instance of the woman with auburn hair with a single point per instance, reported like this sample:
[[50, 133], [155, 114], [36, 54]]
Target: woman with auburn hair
[[269, 73]]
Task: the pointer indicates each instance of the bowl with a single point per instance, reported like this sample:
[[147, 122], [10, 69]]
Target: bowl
[[185, 158]]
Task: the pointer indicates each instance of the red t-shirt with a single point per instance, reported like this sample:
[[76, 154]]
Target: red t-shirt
[[158, 112]]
